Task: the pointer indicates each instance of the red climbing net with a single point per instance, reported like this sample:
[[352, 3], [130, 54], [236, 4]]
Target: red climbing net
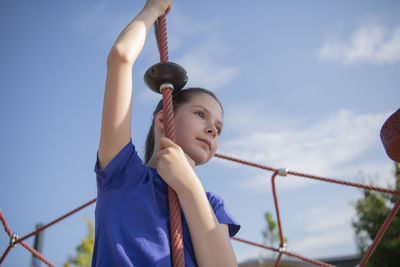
[[176, 235], [14, 239]]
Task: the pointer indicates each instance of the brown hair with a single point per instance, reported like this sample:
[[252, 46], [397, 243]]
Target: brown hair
[[178, 99]]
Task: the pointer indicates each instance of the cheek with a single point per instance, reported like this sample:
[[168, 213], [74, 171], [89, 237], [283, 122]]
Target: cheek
[[215, 146], [182, 132]]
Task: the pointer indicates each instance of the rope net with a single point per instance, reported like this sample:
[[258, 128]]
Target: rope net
[[14, 239], [176, 227]]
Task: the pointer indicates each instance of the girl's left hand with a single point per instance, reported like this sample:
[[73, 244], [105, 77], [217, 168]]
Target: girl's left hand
[[175, 166]]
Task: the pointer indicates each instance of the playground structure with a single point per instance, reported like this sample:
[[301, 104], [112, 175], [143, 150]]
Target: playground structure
[[389, 137]]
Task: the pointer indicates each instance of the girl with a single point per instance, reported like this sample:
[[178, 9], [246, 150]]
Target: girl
[[132, 219]]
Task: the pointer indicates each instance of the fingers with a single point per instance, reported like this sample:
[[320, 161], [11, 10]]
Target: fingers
[[169, 7], [162, 7], [166, 142], [168, 10], [191, 162], [167, 146]]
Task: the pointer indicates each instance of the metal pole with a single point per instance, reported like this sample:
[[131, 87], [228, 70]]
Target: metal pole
[[38, 246]]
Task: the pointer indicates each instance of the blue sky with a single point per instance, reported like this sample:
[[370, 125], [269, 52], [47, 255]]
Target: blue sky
[[306, 85]]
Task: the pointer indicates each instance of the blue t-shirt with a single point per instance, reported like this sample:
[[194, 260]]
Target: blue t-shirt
[[132, 218]]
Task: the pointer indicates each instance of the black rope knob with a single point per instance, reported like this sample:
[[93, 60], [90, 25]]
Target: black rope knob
[[165, 72]]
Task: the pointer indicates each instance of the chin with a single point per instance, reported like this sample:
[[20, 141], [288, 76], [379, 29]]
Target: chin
[[200, 159], [201, 162], [199, 156]]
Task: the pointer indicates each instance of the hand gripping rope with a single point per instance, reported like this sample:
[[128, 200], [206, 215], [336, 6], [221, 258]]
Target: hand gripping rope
[[165, 77], [389, 134], [14, 240]]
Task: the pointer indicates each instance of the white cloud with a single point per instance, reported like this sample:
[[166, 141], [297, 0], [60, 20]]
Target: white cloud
[[182, 28], [373, 172], [370, 43], [314, 245], [102, 23], [325, 228], [323, 219], [320, 148], [205, 61], [262, 183], [204, 64], [148, 96]]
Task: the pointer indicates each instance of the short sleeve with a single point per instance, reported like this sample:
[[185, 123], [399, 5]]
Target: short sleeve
[[117, 169], [222, 214]]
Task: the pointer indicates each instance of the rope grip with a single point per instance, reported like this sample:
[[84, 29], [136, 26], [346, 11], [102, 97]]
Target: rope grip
[[165, 73], [282, 248], [282, 172], [13, 240], [166, 86]]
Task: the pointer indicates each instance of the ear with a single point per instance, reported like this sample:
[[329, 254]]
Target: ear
[[159, 121]]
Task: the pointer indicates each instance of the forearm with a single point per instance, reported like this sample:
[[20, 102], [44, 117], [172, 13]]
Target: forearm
[[210, 239], [131, 40], [117, 107]]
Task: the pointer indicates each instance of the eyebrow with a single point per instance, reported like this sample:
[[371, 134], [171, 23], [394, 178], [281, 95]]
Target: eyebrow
[[200, 106]]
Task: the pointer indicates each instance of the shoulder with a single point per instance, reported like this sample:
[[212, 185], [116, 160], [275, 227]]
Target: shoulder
[[221, 212], [125, 163], [215, 199]]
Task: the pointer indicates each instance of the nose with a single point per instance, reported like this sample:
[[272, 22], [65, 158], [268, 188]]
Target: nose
[[212, 130]]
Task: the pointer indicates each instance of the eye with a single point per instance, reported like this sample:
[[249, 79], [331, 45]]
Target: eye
[[200, 114], [219, 130]]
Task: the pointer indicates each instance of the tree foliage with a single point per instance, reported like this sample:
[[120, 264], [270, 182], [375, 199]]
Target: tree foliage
[[271, 232], [84, 251], [372, 211]]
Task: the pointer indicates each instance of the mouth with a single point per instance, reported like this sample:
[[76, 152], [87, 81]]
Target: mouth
[[206, 142]]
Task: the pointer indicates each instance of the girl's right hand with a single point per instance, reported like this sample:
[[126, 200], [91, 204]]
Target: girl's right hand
[[175, 166], [160, 7]]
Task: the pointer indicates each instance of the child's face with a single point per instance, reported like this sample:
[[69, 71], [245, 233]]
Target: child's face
[[198, 124]]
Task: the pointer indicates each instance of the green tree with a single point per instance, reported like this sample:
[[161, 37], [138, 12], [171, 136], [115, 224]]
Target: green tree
[[271, 232], [372, 211], [84, 251], [271, 237]]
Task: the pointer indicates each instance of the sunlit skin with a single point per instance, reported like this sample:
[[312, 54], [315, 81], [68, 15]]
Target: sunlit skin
[[197, 126]]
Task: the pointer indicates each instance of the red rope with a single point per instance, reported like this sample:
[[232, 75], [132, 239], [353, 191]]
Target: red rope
[[364, 261], [55, 221], [264, 167], [320, 263], [382, 230], [283, 252], [5, 225], [178, 258], [9, 233], [13, 243], [162, 39], [255, 244], [330, 180], [37, 254], [277, 209], [5, 254], [366, 257], [278, 260]]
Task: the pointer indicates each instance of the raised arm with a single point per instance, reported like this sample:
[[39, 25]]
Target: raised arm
[[117, 106]]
